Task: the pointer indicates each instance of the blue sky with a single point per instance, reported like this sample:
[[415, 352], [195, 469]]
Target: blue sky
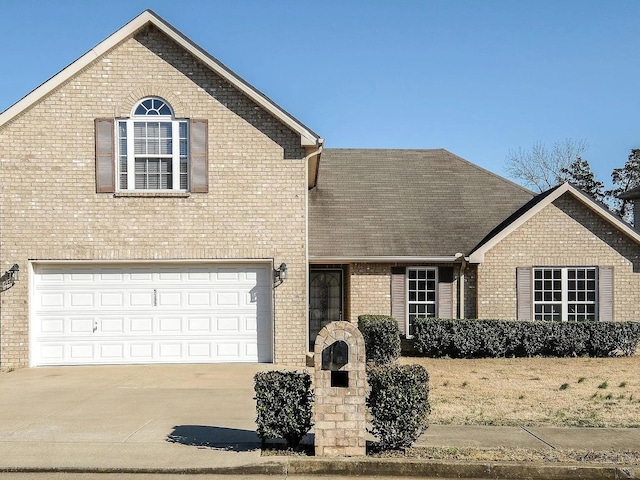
[[479, 78]]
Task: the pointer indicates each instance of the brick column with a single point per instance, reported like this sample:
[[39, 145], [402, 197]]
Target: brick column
[[340, 391]]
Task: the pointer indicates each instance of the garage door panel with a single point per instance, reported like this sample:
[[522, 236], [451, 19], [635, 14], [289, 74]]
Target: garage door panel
[[82, 352], [169, 325], [141, 351], [112, 325], [140, 324], [198, 325], [144, 313], [111, 299], [112, 351], [141, 298], [80, 326], [169, 298]]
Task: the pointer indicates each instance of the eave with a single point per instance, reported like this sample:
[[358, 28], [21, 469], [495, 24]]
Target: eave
[[477, 255]]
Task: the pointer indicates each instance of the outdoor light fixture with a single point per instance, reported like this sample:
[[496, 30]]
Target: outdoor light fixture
[[10, 277], [280, 274]]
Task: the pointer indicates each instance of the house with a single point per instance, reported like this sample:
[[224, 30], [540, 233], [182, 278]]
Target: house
[[162, 210]]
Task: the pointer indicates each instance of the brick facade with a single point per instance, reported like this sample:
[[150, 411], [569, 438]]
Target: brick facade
[[255, 208], [370, 289], [565, 233]]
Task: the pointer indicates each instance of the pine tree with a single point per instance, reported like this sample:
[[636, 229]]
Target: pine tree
[[625, 179], [580, 175]]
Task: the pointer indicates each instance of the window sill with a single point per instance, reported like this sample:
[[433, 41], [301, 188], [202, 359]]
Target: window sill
[[152, 194]]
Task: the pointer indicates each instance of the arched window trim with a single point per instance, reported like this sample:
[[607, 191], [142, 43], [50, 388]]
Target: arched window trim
[[150, 105], [153, 148]]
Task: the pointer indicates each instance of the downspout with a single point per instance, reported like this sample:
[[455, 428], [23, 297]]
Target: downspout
[[463, 266], [317, 152]]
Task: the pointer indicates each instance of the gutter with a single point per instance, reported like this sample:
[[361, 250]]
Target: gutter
[[384, 259], [463, 267], [317, 152]]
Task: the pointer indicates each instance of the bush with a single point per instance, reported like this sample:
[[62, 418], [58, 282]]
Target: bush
[[499, 338], [399, 404], [381, 338], [432, 338], [569, 339], [532, 338], [283, 404]]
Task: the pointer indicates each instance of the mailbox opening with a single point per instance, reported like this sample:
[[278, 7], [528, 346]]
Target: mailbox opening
[[340, 379], [335, 356]]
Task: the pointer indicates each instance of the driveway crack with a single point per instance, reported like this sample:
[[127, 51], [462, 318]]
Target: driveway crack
[[538, 438]]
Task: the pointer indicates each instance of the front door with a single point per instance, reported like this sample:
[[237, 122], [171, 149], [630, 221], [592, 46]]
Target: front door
[[325, 300]]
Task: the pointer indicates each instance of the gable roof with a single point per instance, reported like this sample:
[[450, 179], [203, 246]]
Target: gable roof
[[412, 205], [307, 137], [536, 205]]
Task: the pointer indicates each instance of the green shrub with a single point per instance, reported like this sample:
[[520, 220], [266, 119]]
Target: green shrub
[[601, 342], [468, 338], [381, 338], [499, 338], [399, 404], [569, 339], [283, 404], [532, 338], [432, 337], [629, 338]]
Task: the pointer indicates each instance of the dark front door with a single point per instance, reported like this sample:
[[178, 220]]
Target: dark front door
[[325, 300]]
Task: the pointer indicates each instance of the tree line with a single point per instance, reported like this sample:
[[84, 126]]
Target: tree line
[[542, 167]]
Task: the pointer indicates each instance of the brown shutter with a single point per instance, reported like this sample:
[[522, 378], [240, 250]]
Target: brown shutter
[[523, 290], [105, 156], [605, 297], [199, 164], [445, 292], [399, 296]]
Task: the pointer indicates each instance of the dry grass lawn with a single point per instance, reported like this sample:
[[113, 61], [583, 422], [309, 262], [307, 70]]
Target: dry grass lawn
[[587, 392]]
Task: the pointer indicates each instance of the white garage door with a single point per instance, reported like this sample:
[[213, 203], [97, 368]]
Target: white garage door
[[161, 313]]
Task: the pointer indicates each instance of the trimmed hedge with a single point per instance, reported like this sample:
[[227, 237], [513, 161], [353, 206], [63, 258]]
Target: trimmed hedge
[[509, 338], [381, 338], [399, 404], [284, 402]]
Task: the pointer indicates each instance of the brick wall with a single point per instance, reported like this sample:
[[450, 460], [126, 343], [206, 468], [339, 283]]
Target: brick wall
[[255, 207], [565, 233], [370, 289]]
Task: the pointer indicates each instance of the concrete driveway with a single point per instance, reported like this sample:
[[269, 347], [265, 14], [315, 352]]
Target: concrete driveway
[[162, 411]]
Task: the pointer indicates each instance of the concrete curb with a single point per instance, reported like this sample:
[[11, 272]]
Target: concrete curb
[[346, 467]]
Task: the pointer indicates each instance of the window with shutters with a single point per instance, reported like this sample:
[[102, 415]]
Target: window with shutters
[[565, 293], [152, 149]]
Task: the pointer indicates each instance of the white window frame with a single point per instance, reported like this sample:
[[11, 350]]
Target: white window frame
[[132, 156], [409, 302], [564, 293]]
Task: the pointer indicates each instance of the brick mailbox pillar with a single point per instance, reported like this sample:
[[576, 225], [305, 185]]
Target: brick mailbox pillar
[[340, 391]]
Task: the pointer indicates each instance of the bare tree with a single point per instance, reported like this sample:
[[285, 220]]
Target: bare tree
[[541, 167]]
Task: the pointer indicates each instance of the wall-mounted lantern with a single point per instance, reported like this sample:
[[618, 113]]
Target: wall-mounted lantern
[[280, 274], [9, 278]]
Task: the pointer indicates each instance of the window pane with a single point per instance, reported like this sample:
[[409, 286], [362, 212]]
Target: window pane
[[165, 146], [579, 296], [165, 129], [421, 293], [153, 148]]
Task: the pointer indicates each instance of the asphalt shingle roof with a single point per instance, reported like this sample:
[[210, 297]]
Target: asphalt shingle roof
[[371, 202]]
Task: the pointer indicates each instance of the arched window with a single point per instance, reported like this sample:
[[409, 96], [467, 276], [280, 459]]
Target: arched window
[[153, 148]]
